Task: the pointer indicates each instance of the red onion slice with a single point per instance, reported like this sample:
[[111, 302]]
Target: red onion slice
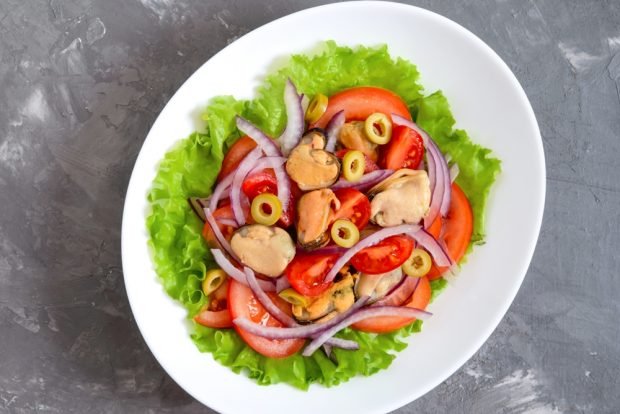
[[366, 182], [270, 149], [243, 170], [265, 300], [268, 162], [218, 234], [366, 242], [436, 250], [372, 312], [232, 271], [228, 222], [301, 331], [219, 190], [294, 118], [268, 145], [332, 130], [282, 283]]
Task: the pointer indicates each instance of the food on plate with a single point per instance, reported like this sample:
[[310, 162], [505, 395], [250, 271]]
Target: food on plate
[[316, 235]]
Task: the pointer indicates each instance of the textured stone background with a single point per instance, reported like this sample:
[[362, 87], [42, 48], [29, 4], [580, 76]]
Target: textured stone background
[[81, 81]]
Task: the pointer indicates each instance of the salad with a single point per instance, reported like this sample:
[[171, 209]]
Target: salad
[[322, 217]]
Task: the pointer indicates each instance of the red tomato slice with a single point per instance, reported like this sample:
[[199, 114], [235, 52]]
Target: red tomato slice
[[259, 183], [360, 102], [383, 324], [222, 212], [384, 256], [235, 154], [306, 272], [456, 228], [216, 314], [405, 149], [265, 182], [354, 206], [243, 303], [369, 165]]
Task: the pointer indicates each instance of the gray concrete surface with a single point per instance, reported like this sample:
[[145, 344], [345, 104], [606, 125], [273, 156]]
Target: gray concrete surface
[[81, 81]]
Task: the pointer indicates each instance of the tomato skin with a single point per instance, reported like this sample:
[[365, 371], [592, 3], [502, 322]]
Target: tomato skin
[[259, 183], [224, 212], [306, 272], [405, 149], [456, 229], [243, 303], [369, 165], [354, 205], [384, 324], [384, 256], [360, 102], [235, 154]]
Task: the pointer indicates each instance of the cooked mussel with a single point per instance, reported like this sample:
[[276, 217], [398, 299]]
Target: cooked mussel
[[266, 250], [310, 166], [402, 198]]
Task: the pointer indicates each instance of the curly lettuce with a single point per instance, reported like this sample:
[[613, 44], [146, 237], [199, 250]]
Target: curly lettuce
[[181, 257]]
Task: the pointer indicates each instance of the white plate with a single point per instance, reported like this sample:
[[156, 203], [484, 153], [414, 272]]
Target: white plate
[[487, 101]]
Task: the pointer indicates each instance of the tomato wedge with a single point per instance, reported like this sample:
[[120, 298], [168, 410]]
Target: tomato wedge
[[360, 102], [235, 154], [224, 212], [384, 256], [369, 165], [306, 272], [243, 303], [265, 182], [405, 149], [216, 314], [456, 228], [354, 206], [383, 324]]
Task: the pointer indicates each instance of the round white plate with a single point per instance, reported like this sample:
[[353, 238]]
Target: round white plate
[[487, 101]]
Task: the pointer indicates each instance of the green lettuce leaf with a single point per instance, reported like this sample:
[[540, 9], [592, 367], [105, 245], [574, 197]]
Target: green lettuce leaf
[[189, 169]]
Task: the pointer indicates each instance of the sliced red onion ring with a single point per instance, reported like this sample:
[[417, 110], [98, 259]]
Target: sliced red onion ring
[[403, 290], [332, 130], [228, 222], [268, 162], [242, 171], [268, 145], [367, 181], [342, 343], [366, 242], [454, 172], [440, 180], [232, 271], [218, 234], [302, 331], [372, 312], [282, 283], [219, 190], [294, 118], [265, 300], [436, 250]]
